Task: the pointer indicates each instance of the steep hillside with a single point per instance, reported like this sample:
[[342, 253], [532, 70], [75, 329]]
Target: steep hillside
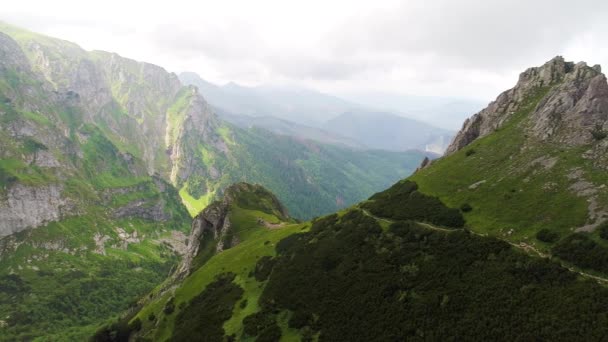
[[389, 269], [147, 113], [252, 221], [100, 217], [534, 162]]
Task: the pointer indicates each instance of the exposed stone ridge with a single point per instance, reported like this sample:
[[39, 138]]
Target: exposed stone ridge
[[214, 220], [28, 207], [576, 103]]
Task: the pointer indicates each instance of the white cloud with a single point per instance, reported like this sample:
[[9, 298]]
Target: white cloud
[[451, 48]]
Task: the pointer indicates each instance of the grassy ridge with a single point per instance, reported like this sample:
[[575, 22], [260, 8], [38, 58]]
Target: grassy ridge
[[511, 193], [257, 241]]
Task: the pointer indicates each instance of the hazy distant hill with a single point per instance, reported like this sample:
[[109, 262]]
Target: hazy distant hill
[[350, 123], [444, 112], [293, 104], [390, 132]]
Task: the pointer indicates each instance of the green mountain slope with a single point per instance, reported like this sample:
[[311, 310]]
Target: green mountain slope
[[100, 217], [98, 154], [356, 276], [502, 239], [145, 111], [531, 167]]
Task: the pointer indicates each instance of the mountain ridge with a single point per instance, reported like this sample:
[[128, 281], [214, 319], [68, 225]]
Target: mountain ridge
[[347, 122]]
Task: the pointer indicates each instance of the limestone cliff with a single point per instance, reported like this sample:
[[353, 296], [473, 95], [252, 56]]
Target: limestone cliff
[[213, 225], [575, 105]]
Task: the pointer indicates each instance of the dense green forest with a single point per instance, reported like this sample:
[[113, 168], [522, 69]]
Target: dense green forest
[[348, 280], [403, 201]]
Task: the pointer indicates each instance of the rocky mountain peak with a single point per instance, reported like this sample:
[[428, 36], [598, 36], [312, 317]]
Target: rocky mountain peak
[[213, 225], [575, 102]]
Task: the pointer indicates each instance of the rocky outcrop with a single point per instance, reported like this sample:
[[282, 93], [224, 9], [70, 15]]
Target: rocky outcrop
[[214, 220], [426, 162], [28, 206], [145, 209], [577, 100], [573, 108]]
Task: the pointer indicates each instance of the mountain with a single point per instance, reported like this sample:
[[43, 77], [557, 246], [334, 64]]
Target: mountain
[[389, 132], [100, 216], [298, 105], [146, 112], [398, 266], [504, 238], [288, 128], [532, 165], [311, 115], [444, 112], [103, 162]]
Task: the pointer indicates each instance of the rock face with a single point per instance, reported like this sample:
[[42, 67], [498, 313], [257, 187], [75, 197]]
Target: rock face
[[56, 99], [576, 104], [426, 162], [153, 211], [27, 207], [214, 221], [138, 104], [560, 131]]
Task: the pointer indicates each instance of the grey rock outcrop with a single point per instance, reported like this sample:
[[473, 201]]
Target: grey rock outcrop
[[27, 207], [426, 162], [576, 102], [214, 221], [147, 210]]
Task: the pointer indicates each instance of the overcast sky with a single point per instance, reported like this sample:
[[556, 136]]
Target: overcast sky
[[471, 49]]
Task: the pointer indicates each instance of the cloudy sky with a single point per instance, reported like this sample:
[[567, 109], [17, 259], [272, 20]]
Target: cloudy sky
[[466, 48]]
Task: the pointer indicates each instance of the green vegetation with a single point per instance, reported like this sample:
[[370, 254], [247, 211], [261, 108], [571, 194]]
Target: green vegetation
[[547, 235], [347, 280], [581, 250], [311, 179], [256, 243], [603, 230], [514, 195], [403, 201], [113, 240], [203, 317], [55, 284], [194, 205]]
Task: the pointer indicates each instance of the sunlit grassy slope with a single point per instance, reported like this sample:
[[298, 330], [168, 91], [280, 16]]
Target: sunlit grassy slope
[[512, 194], [257, 241]]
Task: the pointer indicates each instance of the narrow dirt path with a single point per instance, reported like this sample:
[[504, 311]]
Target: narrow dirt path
[[522, 245], [270, 225]]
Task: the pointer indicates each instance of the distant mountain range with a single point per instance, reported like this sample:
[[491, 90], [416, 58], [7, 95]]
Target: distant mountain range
[[444, 112], [313, 115], [389, 131]]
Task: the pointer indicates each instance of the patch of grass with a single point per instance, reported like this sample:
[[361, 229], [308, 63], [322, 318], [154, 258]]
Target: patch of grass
[[195, 205], [513, 197], [256, 242]]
